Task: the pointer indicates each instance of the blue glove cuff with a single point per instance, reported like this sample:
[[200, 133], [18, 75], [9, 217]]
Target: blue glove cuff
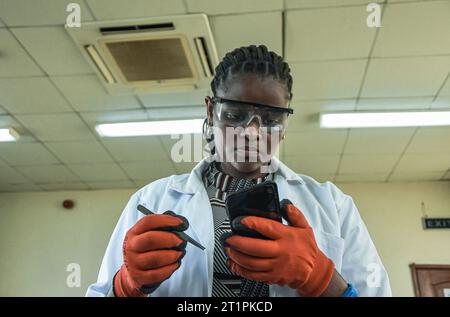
[[350, 291]]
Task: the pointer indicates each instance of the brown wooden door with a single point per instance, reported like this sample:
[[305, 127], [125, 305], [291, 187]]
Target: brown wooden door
[[431, 280]]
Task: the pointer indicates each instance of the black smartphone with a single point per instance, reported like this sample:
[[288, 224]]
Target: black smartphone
[[261, 200]]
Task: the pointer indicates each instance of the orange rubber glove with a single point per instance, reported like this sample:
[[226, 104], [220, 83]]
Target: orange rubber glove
[[291, 256], [151, 254]]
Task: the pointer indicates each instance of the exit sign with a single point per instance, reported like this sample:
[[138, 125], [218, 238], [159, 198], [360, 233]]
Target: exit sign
[[436, 223]]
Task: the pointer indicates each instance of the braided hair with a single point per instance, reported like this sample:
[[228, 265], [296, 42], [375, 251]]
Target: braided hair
[[251, 60], [256, 60]]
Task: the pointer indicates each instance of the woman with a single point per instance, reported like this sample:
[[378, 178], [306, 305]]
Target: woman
[[322, 248]]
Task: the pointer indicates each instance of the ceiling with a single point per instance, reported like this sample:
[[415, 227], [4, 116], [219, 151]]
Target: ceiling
[[50, 93]]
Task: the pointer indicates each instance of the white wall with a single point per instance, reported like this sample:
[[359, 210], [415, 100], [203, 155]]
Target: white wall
[[38, 238]]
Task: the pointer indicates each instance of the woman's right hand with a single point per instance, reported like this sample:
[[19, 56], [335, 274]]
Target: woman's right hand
[[151, 253]]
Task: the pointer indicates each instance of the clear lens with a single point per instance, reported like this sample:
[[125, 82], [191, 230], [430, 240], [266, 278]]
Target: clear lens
[[238, 114]]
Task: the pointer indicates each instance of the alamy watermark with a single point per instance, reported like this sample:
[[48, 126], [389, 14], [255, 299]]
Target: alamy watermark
[[74, 277], [234, 145], [374, 18], [374, 278], [73, 19]]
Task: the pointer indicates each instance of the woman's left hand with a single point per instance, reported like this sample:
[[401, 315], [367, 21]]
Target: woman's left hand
[[291, 257]]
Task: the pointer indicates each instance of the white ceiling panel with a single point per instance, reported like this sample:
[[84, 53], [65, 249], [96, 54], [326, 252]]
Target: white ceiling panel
[[447, 175], [430, 140], [109, 185], [136, 149], [306, 113], [443, 99], [98, 172], [417, 28], [327, 80], [361, 164], [38, 12], [406, 103], [92, 118], [214, 7], [150, 170], [142, 183], [9, 175], [80, 152], [178, 98], [2, 163], [198, 112], [233, 31], [446, 88], [423, 163], [31, 95], [366, 177], [415, 176], [18, 153], [184, 167], [322, 178], [86, 93], [334, 33], [49, 174], [321, 142], [397, 1], [22, 187], [401, 77], [302, 4], [56, 127], [53, 50], [63, 186], [14, 60], [119, 9], [311, 164], [8, 121], [186, 148], [378, 141], [441, 103], [327, 45]]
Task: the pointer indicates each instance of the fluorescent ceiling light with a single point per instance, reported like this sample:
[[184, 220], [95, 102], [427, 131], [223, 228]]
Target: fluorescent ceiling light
[[8, 135], [384, 119], [150, 128]]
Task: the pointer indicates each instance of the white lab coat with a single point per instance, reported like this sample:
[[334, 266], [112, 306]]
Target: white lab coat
[[339, 231]]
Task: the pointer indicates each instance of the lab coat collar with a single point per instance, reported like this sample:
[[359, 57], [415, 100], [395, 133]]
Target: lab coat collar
[[194, 182]]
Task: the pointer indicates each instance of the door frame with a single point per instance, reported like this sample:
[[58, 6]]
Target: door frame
[[414, 267]]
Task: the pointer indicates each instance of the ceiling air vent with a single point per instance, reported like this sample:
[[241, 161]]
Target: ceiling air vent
[[150, 55]]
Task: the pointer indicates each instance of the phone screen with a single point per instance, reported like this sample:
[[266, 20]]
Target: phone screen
[[261, 200]]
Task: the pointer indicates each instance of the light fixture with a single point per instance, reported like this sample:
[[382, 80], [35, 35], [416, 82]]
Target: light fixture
[[384, 119], [150, 128], [8, 135]]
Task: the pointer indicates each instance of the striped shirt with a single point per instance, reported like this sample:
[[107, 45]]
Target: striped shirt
[[225, 282]]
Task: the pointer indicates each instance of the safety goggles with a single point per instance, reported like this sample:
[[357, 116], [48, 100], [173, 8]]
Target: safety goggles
[[236, 113]]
